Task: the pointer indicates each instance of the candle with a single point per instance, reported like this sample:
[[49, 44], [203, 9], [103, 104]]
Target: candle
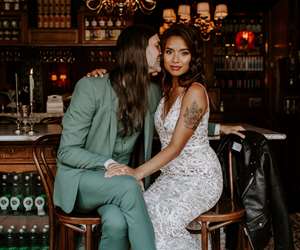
[[17, 92], [31, 86]]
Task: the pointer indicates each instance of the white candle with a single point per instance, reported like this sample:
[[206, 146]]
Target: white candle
[[31, 86], [17, 91]]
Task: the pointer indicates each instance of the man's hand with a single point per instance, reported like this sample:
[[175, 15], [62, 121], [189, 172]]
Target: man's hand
[[232, 129], [120, 169], [97, 73]]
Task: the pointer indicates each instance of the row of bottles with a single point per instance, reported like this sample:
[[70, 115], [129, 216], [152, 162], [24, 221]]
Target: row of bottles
[[24, 238], [11, 54], [54, 14], [60, 54], [238, 63], [291, 105], [22, 194], [237, 28], [56, 55], [100, 56], [236, 24], [12, 5], [10, 28], [239, 83], [293, 73], [101, 28]]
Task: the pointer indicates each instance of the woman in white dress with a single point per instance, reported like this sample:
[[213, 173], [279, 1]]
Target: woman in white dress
[[191, 180]]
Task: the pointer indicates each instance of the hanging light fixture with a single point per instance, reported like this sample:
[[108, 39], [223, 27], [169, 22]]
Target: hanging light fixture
[[202, 19], [121, 7]]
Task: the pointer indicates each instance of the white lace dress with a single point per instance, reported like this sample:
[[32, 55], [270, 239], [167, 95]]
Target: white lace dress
[[188, 186]]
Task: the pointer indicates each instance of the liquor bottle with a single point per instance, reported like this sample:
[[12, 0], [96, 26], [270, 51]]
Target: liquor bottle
[[23, 243], [5, 194], [292, 67], [34, 239], [26, 234], [287, 107], [2, 238], [28, 194], [110, 31], [118, 28], [102, 25], [11, 240], [87, 32], [45, 239], [16, 195], [40, 198], [221, 106]]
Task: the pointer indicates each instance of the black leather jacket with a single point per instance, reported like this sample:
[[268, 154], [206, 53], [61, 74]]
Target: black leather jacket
[[259, 189]]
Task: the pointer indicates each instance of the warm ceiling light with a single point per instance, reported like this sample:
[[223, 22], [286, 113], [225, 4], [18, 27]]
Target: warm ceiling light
[[121, 6], [202, 18]]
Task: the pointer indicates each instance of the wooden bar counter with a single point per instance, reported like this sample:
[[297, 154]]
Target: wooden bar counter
[[16, 150]]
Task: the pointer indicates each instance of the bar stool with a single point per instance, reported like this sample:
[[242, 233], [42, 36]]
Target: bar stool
[[227, 211], [44, 151]]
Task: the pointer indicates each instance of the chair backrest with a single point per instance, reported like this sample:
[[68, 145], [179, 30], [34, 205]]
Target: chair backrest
[[44, 156], [225, 153]]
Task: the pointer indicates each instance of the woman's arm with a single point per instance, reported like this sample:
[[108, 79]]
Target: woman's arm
[[194, 105]]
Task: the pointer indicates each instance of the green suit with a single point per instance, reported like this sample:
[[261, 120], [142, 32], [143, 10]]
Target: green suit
[[88, 139]]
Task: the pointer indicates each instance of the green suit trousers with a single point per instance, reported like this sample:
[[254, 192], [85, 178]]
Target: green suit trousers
[[120, 203]]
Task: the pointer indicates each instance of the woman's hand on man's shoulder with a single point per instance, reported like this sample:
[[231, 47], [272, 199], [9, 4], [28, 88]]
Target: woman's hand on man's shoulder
[[97, 73]]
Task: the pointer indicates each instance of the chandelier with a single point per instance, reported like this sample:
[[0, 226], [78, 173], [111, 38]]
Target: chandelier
[[201, 20], [121, 7]]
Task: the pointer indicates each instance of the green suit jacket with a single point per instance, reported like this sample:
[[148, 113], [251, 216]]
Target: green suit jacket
[[89, 134]]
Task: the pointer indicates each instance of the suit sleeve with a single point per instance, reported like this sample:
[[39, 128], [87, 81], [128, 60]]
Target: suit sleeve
[[76, 124]]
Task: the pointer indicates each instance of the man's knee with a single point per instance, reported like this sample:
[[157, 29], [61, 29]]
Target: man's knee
[[113, 222], [115, 227], [129, 183]]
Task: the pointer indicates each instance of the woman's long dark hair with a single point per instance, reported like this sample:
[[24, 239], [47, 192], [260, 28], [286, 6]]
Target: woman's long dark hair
[[190, 35], [130, 78]]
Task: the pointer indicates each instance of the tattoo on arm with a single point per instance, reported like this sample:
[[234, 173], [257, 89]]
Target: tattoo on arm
[[192, 116]]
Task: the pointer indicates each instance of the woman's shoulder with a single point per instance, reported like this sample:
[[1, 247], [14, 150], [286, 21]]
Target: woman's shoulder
[[196, 89]]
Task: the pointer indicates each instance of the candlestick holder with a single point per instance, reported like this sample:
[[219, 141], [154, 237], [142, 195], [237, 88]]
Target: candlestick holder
[[18, 122], [25, 120]]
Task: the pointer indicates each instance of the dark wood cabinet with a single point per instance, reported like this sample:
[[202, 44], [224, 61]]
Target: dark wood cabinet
[[239, 60], [23, 204]]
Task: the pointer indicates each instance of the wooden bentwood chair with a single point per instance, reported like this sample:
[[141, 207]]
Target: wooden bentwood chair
[[227, 211], [44, 151]]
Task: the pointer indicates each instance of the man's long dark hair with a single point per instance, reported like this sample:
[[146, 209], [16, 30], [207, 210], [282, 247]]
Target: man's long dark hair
[[130, 78], [191, 36]]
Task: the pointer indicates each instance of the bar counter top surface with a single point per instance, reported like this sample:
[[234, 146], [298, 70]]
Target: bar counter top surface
[[269, 134], [7, 132]]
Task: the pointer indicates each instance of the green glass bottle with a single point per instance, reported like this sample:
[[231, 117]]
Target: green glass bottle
[[5, 195], [11, 240], [23, 243], [16, 195], [28, 200], [45, 239]]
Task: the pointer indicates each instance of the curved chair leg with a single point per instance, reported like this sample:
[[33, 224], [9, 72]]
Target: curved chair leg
[[204, 236], [215, 239], [52, 234], [70, 239], [88, 237], [62, 243]]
